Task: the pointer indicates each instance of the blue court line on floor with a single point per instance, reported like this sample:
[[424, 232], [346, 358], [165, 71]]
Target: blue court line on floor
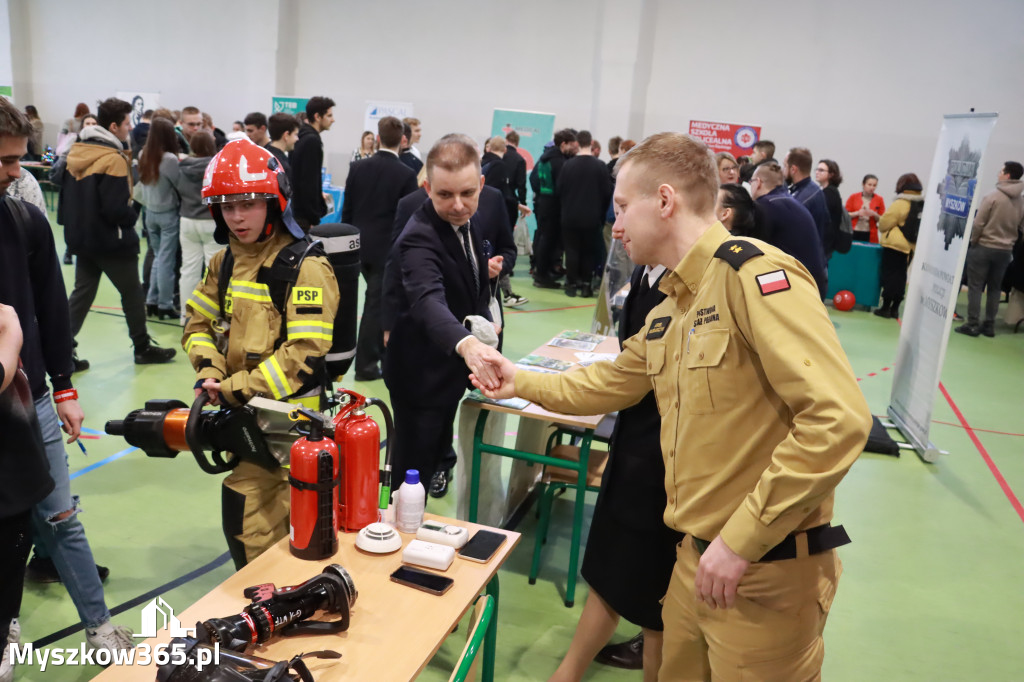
[[95, 432], [108, 460], [142, 598]]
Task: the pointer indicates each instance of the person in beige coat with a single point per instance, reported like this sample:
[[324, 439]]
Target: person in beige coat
[[1000, 219], [897, 249]]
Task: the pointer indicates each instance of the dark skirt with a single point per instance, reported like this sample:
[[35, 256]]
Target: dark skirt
[[630, 552]]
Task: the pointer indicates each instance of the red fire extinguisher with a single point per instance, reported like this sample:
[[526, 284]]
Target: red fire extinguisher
[[314, 492], [358, 439]]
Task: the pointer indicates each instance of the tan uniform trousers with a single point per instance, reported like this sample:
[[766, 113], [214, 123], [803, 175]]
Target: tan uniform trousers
[[264, 516], [774, 631]]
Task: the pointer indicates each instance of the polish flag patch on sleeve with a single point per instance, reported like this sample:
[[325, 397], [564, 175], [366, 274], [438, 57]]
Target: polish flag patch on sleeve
[[773, 282]]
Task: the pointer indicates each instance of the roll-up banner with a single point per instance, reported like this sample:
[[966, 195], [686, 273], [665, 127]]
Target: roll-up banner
[[6, 70], [950, 202], [535, 130]]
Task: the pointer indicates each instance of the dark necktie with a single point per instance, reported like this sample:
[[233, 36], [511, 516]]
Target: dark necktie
[[645, 284], [464, 231]]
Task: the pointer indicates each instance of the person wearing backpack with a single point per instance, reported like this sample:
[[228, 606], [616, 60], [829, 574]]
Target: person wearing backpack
[[898, 228], [280, 327]]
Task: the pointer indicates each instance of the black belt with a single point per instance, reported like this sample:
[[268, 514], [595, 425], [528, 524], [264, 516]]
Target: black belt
[[819, 539]]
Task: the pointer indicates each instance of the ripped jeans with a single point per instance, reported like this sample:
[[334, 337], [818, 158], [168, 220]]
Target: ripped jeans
[[64, 541]]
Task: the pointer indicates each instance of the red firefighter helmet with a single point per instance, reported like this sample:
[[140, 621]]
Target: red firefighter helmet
[[243, 170]]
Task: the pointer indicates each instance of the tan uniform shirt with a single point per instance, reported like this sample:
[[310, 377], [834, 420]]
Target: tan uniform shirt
[[246, 362], [761, 415]]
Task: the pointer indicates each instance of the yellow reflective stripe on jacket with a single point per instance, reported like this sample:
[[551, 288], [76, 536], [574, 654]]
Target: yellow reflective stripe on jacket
[[254, 291], [310, 329], [203, 305], [199, 339], [274, 375]]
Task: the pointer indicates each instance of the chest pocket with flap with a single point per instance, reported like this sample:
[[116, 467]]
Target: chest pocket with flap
[[663, 389], [703, 360]]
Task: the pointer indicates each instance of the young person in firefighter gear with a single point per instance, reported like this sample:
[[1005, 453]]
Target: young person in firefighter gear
[[236, 338]]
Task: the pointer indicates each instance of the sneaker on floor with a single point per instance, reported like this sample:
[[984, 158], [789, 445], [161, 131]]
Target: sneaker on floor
[[988, 329], [968, 329], [7, 659], [43, 570], [152, 354], [514, 300], [110, 637]]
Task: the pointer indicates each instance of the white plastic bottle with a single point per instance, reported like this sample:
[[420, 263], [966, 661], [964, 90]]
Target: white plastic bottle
[[412, 500]]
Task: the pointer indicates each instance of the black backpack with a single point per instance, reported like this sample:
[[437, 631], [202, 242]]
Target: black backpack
[[913, 224]]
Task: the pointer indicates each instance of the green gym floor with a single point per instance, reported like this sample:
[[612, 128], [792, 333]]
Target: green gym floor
[[930, 589]]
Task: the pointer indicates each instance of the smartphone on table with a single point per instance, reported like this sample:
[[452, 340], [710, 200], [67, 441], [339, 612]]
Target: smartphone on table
[[422, 580], [482, 546]]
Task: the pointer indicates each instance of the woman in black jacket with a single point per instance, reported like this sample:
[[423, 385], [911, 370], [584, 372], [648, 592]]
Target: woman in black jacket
[[827, 175]]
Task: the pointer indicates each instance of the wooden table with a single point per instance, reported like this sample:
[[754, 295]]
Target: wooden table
[[394, 631], [610, 344]]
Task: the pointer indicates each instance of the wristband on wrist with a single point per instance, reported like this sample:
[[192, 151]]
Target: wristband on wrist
[[65, 395]]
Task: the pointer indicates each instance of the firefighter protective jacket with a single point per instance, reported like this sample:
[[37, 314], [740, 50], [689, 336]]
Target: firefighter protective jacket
[[241, 346]]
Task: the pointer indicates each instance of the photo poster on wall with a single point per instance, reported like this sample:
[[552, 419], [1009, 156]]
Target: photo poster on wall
[[535, 130], [140, 101], [284, 104], [950, 201], [376, 110], [736, 138], [6, 64]]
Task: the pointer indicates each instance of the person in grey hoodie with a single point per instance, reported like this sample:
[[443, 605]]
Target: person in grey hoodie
[[197, 226], [999, 221], [158, 172]]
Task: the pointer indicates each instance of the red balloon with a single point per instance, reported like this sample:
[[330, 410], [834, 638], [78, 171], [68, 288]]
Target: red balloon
[[844, 300]]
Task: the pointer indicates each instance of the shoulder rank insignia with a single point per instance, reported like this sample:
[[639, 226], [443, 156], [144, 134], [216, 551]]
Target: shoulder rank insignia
[[773, 282], [736, 252]]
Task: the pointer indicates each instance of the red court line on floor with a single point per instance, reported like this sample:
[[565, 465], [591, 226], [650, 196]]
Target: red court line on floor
[[105, 307], [975, 428], [549, 310], [1007, 490]]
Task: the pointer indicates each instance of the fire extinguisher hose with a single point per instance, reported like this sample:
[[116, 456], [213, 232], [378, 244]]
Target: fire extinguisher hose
[[385, 474]]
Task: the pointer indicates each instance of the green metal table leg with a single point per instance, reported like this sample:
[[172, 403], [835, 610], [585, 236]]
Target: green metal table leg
[[577, 520], [491, 640], [474, 483]]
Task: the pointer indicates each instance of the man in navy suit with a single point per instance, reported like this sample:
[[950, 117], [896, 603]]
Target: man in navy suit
[[444, 276], [490, 223], [372, 191]]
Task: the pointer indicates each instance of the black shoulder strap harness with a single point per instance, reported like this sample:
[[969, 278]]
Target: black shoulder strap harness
[[736, 252], [280, 277]]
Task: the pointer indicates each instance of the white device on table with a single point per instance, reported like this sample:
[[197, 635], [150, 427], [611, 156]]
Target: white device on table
[[428, 554], [443, 534], [379, 538]]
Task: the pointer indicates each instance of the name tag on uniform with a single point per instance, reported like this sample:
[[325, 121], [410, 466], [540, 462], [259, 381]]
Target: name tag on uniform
[[658, 328], [307, 296]]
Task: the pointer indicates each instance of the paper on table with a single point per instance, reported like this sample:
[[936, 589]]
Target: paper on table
[[590, 358], [549, 363], [514, 403]]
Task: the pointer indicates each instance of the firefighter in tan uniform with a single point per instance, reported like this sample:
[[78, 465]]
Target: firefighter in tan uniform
[[235, 336], [761, 419]]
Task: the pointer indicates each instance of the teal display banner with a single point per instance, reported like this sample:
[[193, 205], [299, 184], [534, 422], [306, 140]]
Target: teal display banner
[[287, 105], [535, 130]]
